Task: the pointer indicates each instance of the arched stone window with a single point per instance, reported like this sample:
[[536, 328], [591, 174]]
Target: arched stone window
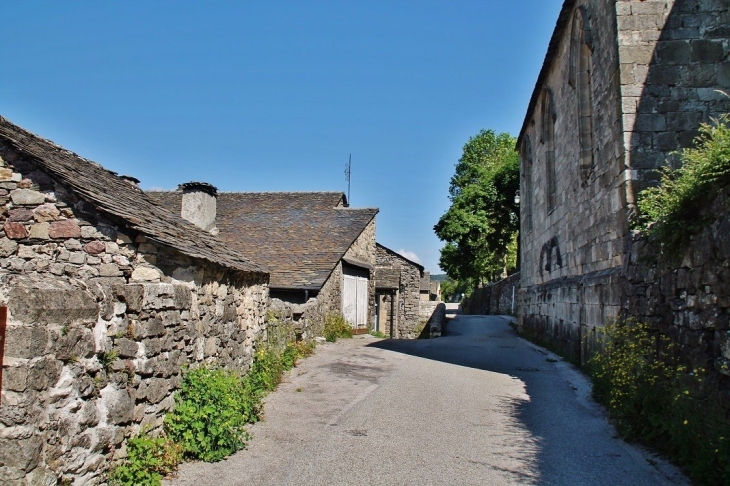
[[547, 137], [527, 189], [581, 47]]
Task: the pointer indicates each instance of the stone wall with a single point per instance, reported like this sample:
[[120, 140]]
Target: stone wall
[[688, 297], [101, 320], [498, 298], [655, 65], [408, 319], [673, 56]]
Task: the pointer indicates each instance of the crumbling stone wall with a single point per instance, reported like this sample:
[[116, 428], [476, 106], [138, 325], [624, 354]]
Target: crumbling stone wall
[[409, 321], [101, 321]]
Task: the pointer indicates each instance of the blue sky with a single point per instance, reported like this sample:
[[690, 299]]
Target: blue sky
[[275, 95]]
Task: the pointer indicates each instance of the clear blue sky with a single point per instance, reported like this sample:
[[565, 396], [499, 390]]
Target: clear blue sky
[[274, 95]]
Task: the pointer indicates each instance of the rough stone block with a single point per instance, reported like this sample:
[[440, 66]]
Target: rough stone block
[[95, 247], [118, 403], [46, 213], [27, 341], [15, 230], [126, 347], [109, 270], [66, 228], [75, 342], [51, 305], [7, 247], [20, 215], [27, 197], [39, 231]]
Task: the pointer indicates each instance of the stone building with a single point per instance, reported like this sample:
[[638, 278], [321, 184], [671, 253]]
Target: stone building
[[398, 290], [108, 296], [623, 85], [319, 251]]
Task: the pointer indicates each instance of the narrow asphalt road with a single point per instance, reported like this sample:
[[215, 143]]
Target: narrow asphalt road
[[476, 406]]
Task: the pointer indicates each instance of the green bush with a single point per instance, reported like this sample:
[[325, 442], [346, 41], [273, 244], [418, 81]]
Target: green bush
[[670, 209], [654, 399], [335, 326], [148, 461], [209, 415]]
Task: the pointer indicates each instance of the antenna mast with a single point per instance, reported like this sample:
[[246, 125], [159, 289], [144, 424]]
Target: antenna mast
[[348, 172]]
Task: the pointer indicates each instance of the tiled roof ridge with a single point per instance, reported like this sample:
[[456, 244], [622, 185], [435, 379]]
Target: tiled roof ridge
[[130, 205]]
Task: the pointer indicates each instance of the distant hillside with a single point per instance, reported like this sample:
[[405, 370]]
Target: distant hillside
[[439, 278]]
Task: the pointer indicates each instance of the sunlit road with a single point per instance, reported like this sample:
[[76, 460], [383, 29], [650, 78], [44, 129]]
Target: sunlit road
[[477, 406]]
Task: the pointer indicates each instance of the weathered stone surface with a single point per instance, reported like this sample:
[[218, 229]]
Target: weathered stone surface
[[27, 197], [66, 228], [51, 305], [126, 347], [7, 247], [39, 231], [5, 174], [119, 405], [77, 258], [76, 342], [21, 214], [22, 451], [15, 230], [95, 247], [46, 213], [44, 373], [132, 295], [109, 270], [146, 274]]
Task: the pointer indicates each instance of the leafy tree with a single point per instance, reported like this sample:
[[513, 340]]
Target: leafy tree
[[483, 218]]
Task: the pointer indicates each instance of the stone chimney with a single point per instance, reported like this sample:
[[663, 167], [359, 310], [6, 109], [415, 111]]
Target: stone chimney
[[199, 204]]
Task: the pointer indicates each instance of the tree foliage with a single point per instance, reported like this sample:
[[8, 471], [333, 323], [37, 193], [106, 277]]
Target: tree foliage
[[483, 218]]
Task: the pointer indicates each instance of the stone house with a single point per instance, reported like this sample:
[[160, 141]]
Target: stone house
[[108, 295], [623, 85], [319, 251], [398, 294]]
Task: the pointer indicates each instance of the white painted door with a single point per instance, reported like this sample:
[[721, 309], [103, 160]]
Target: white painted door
[[355, 296]]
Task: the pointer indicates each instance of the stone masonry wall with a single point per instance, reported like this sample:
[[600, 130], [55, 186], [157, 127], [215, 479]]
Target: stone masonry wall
[[496, 298], [687, 298], [569, 255], [673, 56], [101, 320], [409, 321]]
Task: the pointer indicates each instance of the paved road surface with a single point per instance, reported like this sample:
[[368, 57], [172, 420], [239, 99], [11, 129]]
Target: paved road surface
[[477, 406]]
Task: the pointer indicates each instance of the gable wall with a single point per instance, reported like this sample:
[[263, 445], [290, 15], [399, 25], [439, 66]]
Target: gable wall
[[329, 299], [409, 322]]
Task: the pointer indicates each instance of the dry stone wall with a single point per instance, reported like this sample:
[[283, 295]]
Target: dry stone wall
[[101, 322], [686, 297]]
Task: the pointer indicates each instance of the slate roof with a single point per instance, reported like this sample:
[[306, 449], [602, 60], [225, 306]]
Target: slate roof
[[552, 50], [299, 236], [118, 198]]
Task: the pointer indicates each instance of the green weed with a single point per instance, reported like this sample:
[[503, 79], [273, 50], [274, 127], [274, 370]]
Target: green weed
[[148, 460], [335, 326], [653, 398]]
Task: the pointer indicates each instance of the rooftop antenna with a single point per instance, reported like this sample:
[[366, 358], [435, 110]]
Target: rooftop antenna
[[348, 172]]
